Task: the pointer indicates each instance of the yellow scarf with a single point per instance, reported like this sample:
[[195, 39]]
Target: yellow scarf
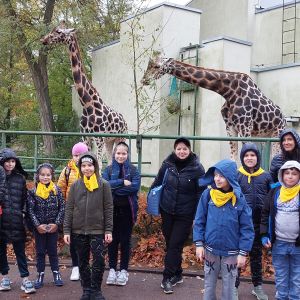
[[74, 167], [219, 198], [287, 194], [256, 173], [43, 191], [92, 183]]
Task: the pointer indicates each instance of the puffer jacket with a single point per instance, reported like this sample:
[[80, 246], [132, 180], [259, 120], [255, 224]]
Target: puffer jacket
[[226, 230], [278, 160], [131, 173], [256, 191], [181, 192]]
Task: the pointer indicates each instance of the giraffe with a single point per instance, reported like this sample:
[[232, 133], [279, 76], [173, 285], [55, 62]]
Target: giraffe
[[246, 112], [96, 115]]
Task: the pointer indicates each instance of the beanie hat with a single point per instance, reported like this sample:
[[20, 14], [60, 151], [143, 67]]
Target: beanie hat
[[182, 140], [79, 148]]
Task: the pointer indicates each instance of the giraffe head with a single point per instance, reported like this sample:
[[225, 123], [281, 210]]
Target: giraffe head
[[157, 67], [59, 34]]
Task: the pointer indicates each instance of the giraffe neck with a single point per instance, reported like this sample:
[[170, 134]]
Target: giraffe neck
[[86, 91]]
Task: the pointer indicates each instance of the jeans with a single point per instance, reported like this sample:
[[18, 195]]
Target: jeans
[[121, 236], [73, 252], [176, 230], [286, 262], [19, 249], [212, 267], [46, 244]]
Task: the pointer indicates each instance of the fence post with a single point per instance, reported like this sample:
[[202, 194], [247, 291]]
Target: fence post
[[139, 141], [35, 160], [3, 140], [266, 157]]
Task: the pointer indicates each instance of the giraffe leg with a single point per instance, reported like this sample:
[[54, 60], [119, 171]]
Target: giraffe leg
[[231, 132], [109, 144], [88, 142], [99, 142]]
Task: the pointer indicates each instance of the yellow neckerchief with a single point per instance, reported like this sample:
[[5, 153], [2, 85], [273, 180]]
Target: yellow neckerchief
[[43, 191], [287, 194], [219, 198], [74, 167], [256, 173], [92, 183]]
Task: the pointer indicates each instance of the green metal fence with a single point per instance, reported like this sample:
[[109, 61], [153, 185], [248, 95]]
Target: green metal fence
[[266, 148]]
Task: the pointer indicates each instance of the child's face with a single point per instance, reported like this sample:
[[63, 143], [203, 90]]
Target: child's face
[[45, 175], [290, 177], [87, 169], [221, 182], [76, 158], [250, 159], [182, 151], [9, 165], [121, 154], [288, 142]]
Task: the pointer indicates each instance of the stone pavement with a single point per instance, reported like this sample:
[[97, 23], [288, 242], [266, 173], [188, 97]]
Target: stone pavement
[[141, 286]]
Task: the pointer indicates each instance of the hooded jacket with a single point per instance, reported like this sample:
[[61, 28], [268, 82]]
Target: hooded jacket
[[13, 201], [181, 192], [131, 173], [255, 192], [278, 160], [89, 212], [225, 230], [267, 226]]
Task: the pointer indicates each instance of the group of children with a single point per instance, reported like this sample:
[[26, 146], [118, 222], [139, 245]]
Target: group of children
[[238, 213]]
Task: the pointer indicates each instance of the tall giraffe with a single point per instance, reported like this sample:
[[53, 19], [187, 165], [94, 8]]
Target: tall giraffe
[[96, 115], [246, 112]]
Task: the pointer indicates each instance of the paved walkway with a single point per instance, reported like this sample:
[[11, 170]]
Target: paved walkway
[[141, 285]]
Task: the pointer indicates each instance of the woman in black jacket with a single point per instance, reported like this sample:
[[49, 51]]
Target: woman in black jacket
[[178, 206]]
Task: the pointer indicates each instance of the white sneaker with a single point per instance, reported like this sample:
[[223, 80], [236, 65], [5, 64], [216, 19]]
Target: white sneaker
[[5, 284], [75, 274], [122, 277], [28, 287], [112, 277]]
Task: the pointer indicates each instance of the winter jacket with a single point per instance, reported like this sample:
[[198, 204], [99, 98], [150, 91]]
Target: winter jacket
[[66, 178], [131, 173], [89, 212], [2, 190], [181, 192], [225, 230], [46, 211], [256, 191], [278, 160]]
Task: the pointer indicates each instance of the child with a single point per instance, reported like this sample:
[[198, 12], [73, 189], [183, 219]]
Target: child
[[46, 208], [89, 217], [68, 175], [125, 182], [223, 229], [255, 184], [280, 230], [13, 230]]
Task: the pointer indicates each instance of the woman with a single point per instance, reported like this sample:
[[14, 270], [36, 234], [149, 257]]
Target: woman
[[290, 150], [178, 206]]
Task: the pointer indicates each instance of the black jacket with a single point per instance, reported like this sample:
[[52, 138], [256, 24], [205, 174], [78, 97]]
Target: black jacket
[[278, 160], [2, 190], [182, 192]]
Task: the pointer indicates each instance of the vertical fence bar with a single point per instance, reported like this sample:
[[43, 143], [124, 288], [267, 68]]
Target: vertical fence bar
[[266, 156], [139, 140], [35, 159], [3, 140]]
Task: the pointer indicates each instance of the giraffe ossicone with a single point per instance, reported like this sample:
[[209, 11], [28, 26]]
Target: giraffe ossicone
[[97, 117], [247, 112]]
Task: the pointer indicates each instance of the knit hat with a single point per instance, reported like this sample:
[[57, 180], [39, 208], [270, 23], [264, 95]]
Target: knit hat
[[79, 148], [87, 157], [182, 140]]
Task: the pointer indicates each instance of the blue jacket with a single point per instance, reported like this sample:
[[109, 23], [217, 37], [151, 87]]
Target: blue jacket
[[225, 230], [131, 173], [256, 191]]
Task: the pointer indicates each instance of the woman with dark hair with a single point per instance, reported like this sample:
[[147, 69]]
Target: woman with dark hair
[[290, 150], [178, 206]]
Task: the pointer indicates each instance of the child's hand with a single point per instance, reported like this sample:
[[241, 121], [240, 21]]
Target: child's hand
[[53, 228], [67, 239], [241, 261], [266, 242], [200, 253], [108, 238], [127, 182], [42, 229]]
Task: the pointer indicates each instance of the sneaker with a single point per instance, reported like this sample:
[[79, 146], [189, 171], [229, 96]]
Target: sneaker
[[57, 278], [75, 274], [235, 293], [39, 281], [28, 287], [97, 295], [167, 286], [112, 277], [176, 279], [122, 277], [5, 284], [86, 294], [259, 293]]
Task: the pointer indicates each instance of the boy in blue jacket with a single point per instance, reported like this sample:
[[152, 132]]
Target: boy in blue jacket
[[223, 229]]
